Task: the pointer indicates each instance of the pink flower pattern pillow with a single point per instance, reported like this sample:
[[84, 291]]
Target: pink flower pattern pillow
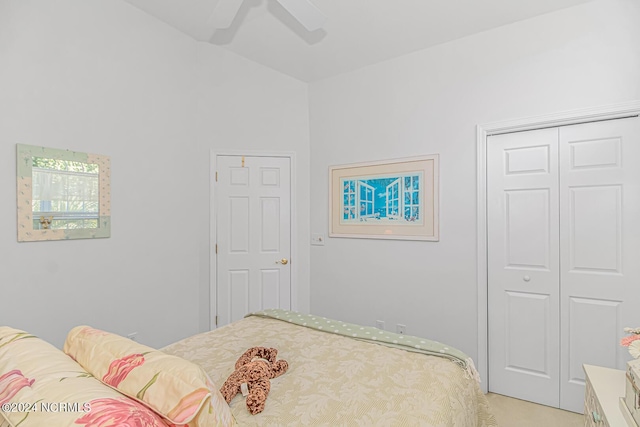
[[11, 383], [33, 371], [175, 388], [122, 412], [120, 368]]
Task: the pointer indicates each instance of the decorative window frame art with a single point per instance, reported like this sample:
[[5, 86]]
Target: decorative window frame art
[[391, 199], [81, 208]]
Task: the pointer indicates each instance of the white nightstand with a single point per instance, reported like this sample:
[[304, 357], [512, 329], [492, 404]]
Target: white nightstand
[[603, 406]]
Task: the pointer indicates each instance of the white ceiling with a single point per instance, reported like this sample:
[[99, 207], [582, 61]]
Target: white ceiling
[[357, 33]]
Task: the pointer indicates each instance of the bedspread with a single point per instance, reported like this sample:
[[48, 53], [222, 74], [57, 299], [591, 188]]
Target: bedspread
[[339, 381]]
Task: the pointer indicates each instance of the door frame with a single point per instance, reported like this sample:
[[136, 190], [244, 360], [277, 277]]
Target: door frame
[[213, 285], [607, 112]]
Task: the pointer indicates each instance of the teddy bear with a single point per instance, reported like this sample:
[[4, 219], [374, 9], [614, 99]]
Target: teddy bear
[[252, 375]]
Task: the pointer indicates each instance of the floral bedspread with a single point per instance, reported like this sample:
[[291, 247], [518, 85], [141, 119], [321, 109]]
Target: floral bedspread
[[339, 381]]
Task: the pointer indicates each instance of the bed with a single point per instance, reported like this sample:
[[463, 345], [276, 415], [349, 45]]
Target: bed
[[344, 374], [339, 374]]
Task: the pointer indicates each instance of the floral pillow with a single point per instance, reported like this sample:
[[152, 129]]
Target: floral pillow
[[41, 386], [173, 387]]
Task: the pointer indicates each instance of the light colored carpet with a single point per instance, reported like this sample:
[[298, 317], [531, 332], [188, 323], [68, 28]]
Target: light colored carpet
[[512, 412]]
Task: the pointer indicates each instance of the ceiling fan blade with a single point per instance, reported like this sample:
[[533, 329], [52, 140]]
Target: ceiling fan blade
[[305, 12], [224, 13]]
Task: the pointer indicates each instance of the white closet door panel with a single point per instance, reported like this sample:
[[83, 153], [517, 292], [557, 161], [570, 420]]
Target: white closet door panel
[[595, 232], [528, 160], [522, 202], [592, 321], [528, 352], [527, 228], [600, 247]]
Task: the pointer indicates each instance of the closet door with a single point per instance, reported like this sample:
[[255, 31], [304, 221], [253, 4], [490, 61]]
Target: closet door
[[523, 269], [599, 247]]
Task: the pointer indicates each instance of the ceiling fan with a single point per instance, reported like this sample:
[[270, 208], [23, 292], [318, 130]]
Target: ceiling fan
[[303, 10]]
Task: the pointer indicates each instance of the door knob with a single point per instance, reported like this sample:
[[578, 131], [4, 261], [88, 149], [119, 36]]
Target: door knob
[[283, 261], [526, 278]]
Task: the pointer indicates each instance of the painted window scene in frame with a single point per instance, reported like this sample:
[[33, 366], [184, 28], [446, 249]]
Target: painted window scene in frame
[[396, 199], [382, 198]]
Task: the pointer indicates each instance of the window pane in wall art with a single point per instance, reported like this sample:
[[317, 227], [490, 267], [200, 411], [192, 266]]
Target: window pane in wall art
[[394, 199], [376, 199], [62, 194], [66, 192]]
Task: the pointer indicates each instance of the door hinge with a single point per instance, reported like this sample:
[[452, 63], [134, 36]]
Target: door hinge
[[216, 320], [216, 176], [216, 248], [242, 161]]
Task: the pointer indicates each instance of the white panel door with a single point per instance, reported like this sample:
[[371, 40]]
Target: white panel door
[[599, 247], [253, 229], [523, 269]]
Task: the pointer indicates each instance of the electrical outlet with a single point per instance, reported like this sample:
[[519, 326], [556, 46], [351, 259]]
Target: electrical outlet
[[132, 336], [380, 324], [401, 329]]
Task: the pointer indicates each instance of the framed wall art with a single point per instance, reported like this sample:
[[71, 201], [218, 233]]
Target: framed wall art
[[391, 199], [62, 194]]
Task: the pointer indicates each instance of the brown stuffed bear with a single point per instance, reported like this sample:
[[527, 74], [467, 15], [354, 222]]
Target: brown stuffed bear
[[253, 371]]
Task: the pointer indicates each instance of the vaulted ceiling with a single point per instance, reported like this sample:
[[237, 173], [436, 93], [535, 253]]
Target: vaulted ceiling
[[357, 32]]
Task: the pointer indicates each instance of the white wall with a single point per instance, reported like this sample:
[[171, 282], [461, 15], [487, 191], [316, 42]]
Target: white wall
[[430, 102], [104, 77], [244, 106]]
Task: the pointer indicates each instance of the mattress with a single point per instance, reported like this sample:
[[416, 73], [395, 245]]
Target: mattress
[[338, 380]]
